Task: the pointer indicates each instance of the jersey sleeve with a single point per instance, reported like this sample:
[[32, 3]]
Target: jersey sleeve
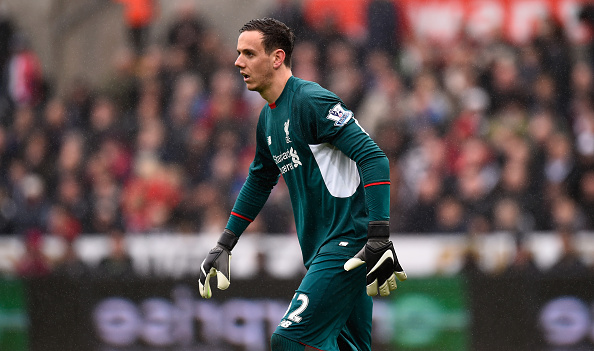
[[262, 177], [330, 121], [373, 165]]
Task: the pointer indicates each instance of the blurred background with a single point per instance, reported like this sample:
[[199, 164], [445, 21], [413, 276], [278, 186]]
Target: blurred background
[[126, 133]]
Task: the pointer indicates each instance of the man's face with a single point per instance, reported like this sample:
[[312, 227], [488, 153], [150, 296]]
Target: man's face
[[254, 64]]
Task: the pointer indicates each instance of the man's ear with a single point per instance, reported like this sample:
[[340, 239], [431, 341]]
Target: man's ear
[[279, 58]]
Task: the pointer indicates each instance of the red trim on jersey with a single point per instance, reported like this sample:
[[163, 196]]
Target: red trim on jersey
[[377, 183], [272, 105], [311, 347], [242, 217]]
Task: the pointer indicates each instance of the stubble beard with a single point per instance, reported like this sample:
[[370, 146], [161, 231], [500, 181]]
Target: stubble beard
[[266, 82]]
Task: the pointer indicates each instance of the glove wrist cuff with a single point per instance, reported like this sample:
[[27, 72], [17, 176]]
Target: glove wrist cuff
[[228, 239], [378, 230]]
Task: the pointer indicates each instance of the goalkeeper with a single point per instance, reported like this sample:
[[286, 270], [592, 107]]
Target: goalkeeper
[[339, 184]]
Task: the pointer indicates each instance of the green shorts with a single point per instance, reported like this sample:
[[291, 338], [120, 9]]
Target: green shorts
[[331, 310]]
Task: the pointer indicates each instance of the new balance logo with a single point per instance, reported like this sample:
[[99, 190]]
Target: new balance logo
[[285, 323]]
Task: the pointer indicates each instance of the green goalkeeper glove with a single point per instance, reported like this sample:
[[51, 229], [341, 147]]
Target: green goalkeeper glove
[[382, 264], [217, 263]]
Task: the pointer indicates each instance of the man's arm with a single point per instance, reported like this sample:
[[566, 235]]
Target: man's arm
[[382, 263], [331, 122], [261, 179], [263, 176], [354, 142]]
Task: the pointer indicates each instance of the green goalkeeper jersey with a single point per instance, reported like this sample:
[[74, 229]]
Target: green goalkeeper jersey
[[338, 178]]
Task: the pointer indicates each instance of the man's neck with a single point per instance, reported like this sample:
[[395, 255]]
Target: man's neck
[[278, 85]]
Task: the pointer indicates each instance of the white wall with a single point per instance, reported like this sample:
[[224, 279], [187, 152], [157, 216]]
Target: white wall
[[176, 255]]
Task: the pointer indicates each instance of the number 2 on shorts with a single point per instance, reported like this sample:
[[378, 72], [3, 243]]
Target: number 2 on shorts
[[295, 315]]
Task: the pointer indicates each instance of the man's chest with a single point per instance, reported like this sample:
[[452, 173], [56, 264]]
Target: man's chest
[[285, 144]]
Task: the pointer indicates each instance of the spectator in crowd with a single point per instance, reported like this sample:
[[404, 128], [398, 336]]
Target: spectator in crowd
[[400, 203], [569, 264], [104, 215], [70, 194], [565, 212], [104, 195], [79, 100], [197, 147], [586, 197], [63, 224], [225, 103], [20, 127], [71, 157], [427, 105], [118, 263], [306, 61], [505, 130], [196, 202], [346, 76], [55, 125], [103, 122], [508, 216], [33, 263], [384, 27], [554, 52], [5, 154], [150, 197], [475, 176], [70, 265], [514, 184], [123, 84], [423, 213], [277, 213], [290, 13], [32, 203], [7, 30], [187, 102], [523, 265], [450, 216], [187, 30], [138, 18], [503, 83], [25, 77], [36, 155], [586, 16], [7, 213], [382, 102]]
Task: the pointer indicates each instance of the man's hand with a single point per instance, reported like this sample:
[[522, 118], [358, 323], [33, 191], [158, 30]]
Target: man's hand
[[382, 264], [217, 262]]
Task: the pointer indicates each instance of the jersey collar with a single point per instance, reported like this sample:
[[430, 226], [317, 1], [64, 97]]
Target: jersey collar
[[282, 95]]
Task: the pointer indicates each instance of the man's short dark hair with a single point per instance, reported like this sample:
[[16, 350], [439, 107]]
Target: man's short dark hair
[[275, 35]]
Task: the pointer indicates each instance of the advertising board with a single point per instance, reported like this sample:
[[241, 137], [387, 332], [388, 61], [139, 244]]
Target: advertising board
[[167, 314], [14, 322]]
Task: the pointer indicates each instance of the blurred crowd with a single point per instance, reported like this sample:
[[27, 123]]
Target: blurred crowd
[[482, 136]]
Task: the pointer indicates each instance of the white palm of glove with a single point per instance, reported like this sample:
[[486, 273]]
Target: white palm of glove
[[383, 267], [217, 263]]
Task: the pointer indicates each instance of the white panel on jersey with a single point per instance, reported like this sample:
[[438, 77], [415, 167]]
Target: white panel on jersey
[[339, 172]]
